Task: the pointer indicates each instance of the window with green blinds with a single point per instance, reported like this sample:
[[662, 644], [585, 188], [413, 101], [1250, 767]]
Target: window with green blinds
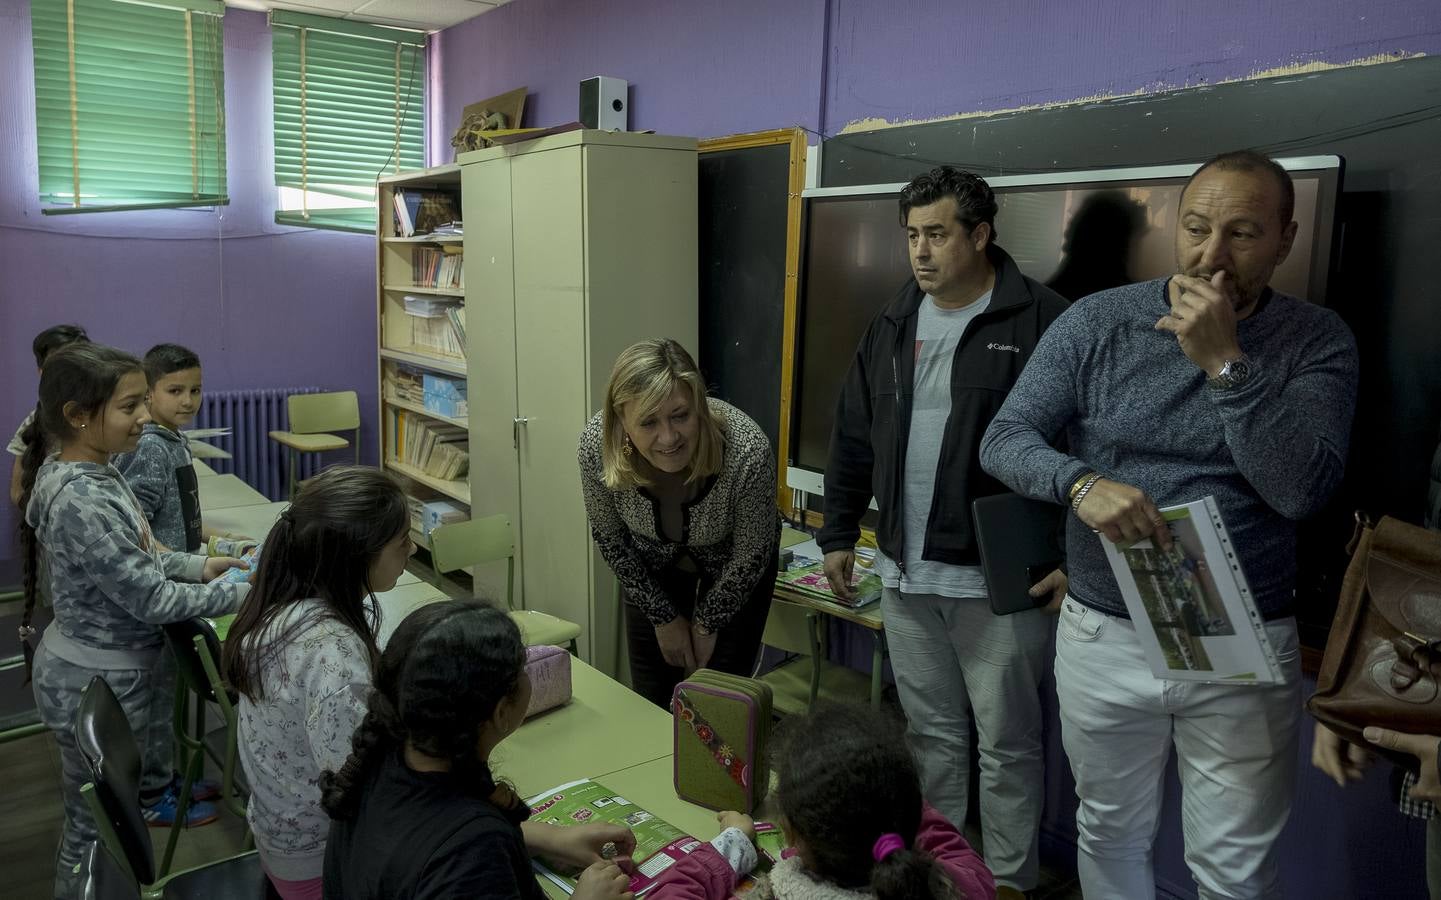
[[129, 103], [349, 107]]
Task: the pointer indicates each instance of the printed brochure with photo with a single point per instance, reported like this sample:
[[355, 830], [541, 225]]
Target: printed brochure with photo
[[658, 844], [1191, 605]]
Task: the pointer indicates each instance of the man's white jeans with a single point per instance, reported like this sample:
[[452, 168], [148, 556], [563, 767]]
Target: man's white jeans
[[1236, 746], [954, 658]]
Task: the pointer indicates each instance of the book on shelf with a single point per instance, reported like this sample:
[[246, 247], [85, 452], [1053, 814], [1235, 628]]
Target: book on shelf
[[404, 383], [658, 844], [436, 449], [433, 324], [420, 211], [438, 267]]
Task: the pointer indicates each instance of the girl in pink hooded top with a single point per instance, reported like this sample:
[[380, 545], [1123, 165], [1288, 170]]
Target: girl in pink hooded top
[[851, 809]]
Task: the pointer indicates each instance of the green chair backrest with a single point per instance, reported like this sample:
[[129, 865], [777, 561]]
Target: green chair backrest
[[318, 413], [790, 628], [456, 545]]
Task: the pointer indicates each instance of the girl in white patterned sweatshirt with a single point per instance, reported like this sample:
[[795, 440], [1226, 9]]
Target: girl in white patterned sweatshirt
[[301, 654]]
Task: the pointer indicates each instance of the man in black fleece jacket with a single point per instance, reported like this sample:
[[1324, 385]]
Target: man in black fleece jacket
[[930, 372]]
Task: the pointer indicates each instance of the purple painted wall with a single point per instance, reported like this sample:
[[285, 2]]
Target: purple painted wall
[[698, 69], [263, 305], [749, 65]]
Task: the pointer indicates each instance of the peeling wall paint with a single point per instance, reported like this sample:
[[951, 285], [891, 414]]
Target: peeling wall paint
[[1305, 69]]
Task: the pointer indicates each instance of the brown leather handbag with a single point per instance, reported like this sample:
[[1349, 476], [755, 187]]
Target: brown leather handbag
[[1383, 655]]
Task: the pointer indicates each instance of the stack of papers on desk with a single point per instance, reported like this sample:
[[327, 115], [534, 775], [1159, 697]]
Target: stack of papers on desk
[[806, 574]]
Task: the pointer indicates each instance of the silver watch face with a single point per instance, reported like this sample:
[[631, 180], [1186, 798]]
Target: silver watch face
[[1235, 372]]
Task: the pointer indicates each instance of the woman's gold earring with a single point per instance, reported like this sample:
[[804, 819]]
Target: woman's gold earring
[[628, 447]]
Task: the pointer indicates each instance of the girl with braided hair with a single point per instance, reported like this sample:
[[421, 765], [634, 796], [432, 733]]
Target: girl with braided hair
[[417, 811], [300, 655]]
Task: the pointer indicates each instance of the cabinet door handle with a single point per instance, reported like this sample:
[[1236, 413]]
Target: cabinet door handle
[[522, 420], [519, 422]]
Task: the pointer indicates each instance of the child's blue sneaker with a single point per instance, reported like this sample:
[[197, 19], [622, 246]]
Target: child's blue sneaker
[[200, 789], [161, 814]]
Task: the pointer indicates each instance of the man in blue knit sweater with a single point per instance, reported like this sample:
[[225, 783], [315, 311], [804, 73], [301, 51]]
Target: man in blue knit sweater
[[1206, 382]]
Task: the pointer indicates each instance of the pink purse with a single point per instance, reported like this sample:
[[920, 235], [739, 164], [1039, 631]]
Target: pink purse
[[549, 671]]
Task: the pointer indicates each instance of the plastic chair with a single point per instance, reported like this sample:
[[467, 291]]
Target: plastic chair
[[479, 541], [312, 418], [196, 647], [108, 745], [795, 685]]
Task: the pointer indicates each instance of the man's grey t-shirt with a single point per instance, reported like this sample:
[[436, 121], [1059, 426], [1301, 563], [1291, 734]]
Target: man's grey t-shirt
[[938, 334]]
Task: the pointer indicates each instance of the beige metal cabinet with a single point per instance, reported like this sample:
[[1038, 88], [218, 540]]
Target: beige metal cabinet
[[576, 246]]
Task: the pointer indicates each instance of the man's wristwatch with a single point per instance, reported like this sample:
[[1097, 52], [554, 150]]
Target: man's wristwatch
[[1234, 373]]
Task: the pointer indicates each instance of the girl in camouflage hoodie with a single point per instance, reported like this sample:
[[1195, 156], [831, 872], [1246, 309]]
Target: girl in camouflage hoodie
[[110, 584]]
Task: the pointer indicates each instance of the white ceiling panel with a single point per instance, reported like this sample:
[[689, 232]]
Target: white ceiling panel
[[431, 15]]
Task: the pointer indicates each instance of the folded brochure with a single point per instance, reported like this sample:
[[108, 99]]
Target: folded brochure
[[658, 844], [1191, 605]]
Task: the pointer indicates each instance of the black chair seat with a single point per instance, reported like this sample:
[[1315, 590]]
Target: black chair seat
[[101, 877], [240, 878]]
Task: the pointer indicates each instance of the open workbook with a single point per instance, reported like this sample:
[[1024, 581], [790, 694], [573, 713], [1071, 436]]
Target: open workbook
[[658, 844], [1191, 606]]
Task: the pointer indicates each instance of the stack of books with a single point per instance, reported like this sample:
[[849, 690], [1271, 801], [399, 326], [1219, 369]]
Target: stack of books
[[424, 212], [438, 267], [437, 325], [436, 449], [405, 383], [806, 575]]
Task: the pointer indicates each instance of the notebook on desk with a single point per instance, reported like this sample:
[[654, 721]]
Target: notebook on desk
[[1019, 542]]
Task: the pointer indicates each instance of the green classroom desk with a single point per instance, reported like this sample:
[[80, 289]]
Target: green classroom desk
[[408, 595], [605, 727], [254, 521], [224, 491], [201, 469]]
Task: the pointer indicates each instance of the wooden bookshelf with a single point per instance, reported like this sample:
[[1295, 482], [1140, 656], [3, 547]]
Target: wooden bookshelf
[[427, 239], [417, 290], [455, 490], [417, 408], [395, 256], [449, 365]]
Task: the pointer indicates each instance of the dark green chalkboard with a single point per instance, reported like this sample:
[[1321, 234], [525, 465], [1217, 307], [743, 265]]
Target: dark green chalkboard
[[749, 238]]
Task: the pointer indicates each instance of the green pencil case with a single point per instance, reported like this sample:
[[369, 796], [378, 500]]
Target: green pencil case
[[722, 723]]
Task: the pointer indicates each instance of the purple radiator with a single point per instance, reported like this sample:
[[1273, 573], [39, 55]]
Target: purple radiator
[[251, 416]]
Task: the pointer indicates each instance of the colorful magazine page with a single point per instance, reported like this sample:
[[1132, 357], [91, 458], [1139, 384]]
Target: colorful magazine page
[[1191, 605], [658, 844], [811, 578]]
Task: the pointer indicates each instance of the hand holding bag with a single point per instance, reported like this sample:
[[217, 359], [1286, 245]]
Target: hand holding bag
[[1383, 655]]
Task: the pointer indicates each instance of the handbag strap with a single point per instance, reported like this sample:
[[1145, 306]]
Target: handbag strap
[[723, 753]]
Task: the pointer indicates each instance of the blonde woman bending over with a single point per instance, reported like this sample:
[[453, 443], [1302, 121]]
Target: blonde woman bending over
[[680, 491]]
